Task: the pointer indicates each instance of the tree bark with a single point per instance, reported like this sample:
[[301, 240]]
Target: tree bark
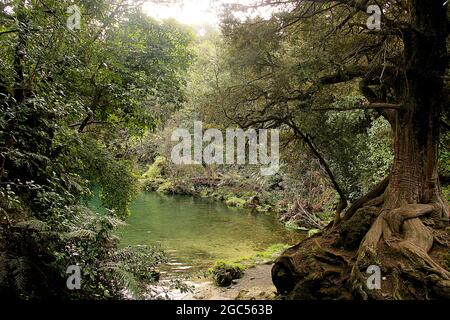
[[406, 213], [416, 126]]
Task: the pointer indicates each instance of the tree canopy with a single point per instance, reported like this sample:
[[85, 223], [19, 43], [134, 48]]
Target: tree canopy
[[363, 113]]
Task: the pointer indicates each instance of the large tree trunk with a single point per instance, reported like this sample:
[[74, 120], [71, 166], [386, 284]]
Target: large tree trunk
[[416, 126], [403, 226]]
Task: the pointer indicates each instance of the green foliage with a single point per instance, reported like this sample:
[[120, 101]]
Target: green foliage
[[158, 178], [272, 252], [115, 178], [135, 267], [91, 245], [75, 106], [444, 159], [446, 192], [444, 165], [156, 169], [376, 160], [71, 104], [166, 187], [312, 232], [290, 224], [265, 256], [236, 202], [268, 79]]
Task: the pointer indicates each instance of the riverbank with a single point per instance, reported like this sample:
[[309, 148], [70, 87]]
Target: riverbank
[[256, 284], [196, 233], [253, 283], [276, 195]]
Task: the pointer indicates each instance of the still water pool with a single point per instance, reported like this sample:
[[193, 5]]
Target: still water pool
[[196, 232]]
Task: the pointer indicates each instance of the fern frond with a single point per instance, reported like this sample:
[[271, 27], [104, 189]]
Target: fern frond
[[113, 221], [80, 234], [33, 224], [125, 278], [19, 267]]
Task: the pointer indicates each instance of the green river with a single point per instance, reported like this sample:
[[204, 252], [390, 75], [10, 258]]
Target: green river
[[195, 232]]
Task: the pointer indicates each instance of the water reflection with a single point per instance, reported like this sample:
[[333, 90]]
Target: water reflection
[[197, 231]]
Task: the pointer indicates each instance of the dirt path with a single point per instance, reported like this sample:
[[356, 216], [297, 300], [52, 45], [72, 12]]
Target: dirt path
[[256, 284]]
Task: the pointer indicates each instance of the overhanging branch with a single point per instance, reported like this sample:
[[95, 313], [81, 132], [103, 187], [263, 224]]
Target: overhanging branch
[[363, 107], [308, 140]]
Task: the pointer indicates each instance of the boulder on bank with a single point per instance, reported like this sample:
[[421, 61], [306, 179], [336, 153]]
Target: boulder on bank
[[224, 273]]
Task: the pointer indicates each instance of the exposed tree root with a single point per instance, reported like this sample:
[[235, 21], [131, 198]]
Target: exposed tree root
[[399, 231], [394, 225], [328, 266], [396, 217]]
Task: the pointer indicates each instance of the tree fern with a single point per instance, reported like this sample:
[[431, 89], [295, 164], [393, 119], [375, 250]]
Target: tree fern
[[124, 278], [33, 224], [80, 234]]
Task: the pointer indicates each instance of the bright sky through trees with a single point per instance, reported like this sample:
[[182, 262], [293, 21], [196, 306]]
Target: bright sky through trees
[[192, 12]]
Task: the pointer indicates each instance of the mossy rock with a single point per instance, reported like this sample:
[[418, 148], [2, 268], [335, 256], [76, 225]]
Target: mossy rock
[[224, 273], [272, 252], [156, 169], [166, 187], [236, 202], [152, 184], [176, 187]]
